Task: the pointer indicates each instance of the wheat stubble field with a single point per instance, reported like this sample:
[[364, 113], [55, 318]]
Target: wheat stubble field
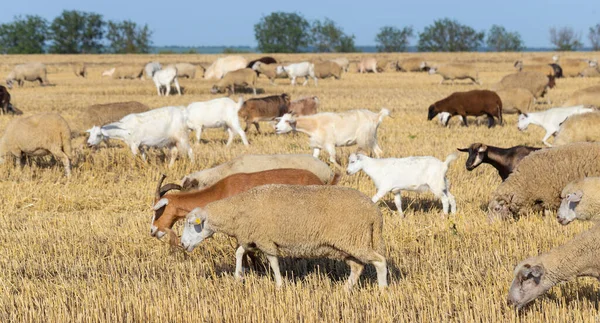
[[80, 250]]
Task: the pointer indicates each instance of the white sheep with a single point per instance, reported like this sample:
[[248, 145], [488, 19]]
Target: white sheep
[[164, 78], [163, 127], [580, 201], [297, 70], [411, 174], [217, 113], [550, 119], [328, 130], [296, 221]]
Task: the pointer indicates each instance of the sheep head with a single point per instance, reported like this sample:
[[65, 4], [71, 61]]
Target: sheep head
[[477, 153], [530, 281], [570, 200], [432, 112], [195, 229], [500, 207]]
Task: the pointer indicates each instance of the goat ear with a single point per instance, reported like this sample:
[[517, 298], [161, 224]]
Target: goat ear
[[464, 150], [482, 148], [575, 196], [160, 204]]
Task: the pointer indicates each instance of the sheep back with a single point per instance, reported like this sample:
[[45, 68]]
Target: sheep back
[[589, 206], [517, 98], [537, 83], [587, 96], [327, 69], [413, 64], [579, 128], [30, 72]]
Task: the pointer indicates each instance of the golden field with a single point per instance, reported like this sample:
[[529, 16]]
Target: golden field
[[79, 249]]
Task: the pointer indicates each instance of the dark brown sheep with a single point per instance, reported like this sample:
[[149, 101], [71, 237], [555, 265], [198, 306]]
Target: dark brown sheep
[[304, 106], [264, 60], [505, 160], [5, 105], [264, 109], [470, 103]]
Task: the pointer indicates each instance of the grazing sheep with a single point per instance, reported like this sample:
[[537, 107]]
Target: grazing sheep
[[367, 64], [5, 105], [546, 69], [164, 78], [151, 68], [343, 62], [185, 70], [540, 177], [217, 113], [80, 69], [267, 60], [224, 65], [257, 163], [100, 114], [456, 72], [413, 64], [324, 70], [580, 127], [587, 96], [516, 99], [550, 119], [264, 109], [536, 60], [573, 67], [470, 103], [304, 106], [268, 70], [590, 72], [38, 135], [244, 77], [297, 70], [296, 221], [27, 72], [537, 83], [505, 160], [125, 72], [329, 130], [411, 174], [580, 201], [536, 275]]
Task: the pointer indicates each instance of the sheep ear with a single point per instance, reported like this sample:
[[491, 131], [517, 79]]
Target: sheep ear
[[464, 150], [575, 196], [160, 204], [534, 272]]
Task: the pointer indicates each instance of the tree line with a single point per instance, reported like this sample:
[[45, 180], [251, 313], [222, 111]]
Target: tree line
[[73, 32]]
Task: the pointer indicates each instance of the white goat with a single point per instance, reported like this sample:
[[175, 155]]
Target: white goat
[[164, 78], [411, 173], [329, 130], [297, 70], [550, 119], [217, 113], [163, 127]]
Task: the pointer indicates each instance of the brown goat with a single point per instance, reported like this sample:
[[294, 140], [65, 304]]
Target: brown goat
[[505, 160], [264, 109], [170, 208], [304, 106], [470, 103]]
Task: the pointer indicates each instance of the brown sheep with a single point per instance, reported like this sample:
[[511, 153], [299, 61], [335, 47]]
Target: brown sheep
[[264, 109], [242, 77], [304, 106], [470, 103]]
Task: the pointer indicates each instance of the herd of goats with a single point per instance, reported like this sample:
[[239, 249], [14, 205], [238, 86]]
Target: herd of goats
[[281, 204]]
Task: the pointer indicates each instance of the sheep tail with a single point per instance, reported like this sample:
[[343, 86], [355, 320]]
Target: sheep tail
[[336, 178], [382, 114], [66, 143]]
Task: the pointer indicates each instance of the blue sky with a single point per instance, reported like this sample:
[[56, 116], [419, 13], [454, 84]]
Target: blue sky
[[222, 22]]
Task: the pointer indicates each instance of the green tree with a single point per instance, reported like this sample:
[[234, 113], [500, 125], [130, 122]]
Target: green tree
[[328, 37], [282, 32], [391, 39], [565, 39], [594, 37], [75, 32], [500, 40], [25, 35], [126, 37], [446, 35]]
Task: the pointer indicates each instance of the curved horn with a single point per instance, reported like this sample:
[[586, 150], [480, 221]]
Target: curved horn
[[163, 190], [160, 181]]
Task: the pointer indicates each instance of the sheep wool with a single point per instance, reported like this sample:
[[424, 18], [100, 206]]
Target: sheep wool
[[588, 208], [579, 128]]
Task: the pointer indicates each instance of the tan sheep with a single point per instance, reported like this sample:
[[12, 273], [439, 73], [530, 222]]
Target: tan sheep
[[413, 64], [456, 72], [125, 72], [578, 128], [27, 72], [101, 114], [367, 64], [324, 70], [573, 67], [587, 96], [243, 77], [516, 99], [590, 71], [342, 62], [537, 83], [268, 70], [38, 135], [540, 68], [185, 70], [536, 275], [80, 69], [580, 201]]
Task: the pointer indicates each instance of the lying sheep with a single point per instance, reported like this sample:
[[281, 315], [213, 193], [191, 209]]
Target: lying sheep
[[517, 99], [243, 77], [590, 72], [343, 62], [412, 64], [299, 222], [264, 109], [268, 70], [324, 70], [80, 69], [537, 83], [580, 201], [125, 72], [217, 113], [257, 163], [163, 79], [185, 70], [223, 66], [367, 64], [505, 160], [456, 72], [470, 103], [577, 128], [100, 114], [537, 182], [411, 174], [27, 72], [304, 106], [38, 135], [550, 119], [151, 68], [536, 275], [587, 96]]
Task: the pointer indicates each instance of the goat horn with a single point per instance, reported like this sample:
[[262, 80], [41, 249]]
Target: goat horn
[[163, 190], [160, 181]]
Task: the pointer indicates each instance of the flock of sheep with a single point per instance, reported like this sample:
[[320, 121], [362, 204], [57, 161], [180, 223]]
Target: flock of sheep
[[281, 204]]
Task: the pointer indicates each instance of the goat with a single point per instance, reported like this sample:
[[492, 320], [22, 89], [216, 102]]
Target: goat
[[505, 160]]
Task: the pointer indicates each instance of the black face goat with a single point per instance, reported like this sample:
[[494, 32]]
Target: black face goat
[[505, 160]]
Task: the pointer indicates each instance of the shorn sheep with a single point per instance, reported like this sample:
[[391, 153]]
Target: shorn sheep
[[456, 72], [470, 103], [394, 175], [30, 72], [537, 83], [579, 127], [580, 201], [328, 130], [550, 119], [257, 163], [505, 160], [296, 221], [163, 79], [578, 257], [217, 113], [540, 177], [243, 77], [38, 135], [587, 96]]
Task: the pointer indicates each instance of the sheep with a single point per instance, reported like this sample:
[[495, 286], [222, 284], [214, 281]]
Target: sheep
[[296, 221], [80, 69], [155, 128], [297, 70], [243, 77], [100, 114], [38, 135], [329, 130], [367, 64], [324, 70], [456, 72], [536, 60], [550, 119], [224, 65], [217, 113], [537, 83], [516, 99], [587, 96], [540, 177], [343, 62], [267, 60], [581, 127], [590, 72], [536, 275], [164, 78], [170, 208], [580, 201], [304, 106], [5, 105], [256, 163], [505, 160], [27, 72], [412, 64], [185, 70], [572, 67], [418, 174], [268, 70], [125, 72], [264, 109], [545, 69], [472, 103], [151, 68]]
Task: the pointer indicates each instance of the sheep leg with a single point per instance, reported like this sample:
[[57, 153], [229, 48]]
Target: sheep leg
[[398, 202], [239, 257], [491, 121], [293, 80], [274, 262], [177, 86], [316, 152], [356, 269], [546, 137]]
